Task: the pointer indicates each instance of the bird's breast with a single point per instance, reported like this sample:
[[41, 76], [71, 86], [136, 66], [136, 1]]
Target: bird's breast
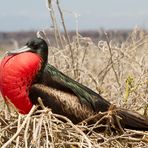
[[16, 76]]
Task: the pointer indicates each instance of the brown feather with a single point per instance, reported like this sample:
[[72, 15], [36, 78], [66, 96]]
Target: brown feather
[[61, 102]]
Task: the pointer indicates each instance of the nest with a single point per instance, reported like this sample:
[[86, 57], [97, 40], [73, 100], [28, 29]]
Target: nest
[[42, 128]]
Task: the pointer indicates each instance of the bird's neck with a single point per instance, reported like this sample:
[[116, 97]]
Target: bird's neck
[[39, 75], [43, 54]]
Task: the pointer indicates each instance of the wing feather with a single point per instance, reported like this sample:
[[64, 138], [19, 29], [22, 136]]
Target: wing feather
[[55, 78]]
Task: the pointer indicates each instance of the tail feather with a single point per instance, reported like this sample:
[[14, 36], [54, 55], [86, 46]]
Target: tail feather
[[132, 120]]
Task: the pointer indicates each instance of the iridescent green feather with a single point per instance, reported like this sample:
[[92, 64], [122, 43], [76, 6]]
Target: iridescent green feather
[[84, 94]]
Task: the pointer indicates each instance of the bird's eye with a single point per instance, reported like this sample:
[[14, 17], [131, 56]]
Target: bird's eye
[[35, 46]]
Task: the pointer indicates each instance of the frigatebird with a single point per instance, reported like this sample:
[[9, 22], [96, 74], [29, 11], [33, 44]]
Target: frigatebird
[[26, 75]]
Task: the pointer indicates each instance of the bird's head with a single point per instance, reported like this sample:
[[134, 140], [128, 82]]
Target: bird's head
[[36, 45]]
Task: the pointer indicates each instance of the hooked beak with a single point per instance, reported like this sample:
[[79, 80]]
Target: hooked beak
[[17, 51]]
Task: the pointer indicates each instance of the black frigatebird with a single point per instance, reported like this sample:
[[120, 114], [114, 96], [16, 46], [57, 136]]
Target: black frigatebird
[[25, 75]]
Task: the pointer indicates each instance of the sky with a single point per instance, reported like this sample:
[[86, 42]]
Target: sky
[[21, 15]]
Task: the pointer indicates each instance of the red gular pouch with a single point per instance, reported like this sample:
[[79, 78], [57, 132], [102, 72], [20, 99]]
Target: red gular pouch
[[17, 73]]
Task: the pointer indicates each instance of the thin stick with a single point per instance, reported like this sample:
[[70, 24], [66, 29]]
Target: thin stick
[[25, 133], [111, 58], [18, 126], [46, 133], [41, 103], [66, 34], [53, 20]]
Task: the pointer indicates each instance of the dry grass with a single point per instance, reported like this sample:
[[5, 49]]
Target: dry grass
[[52, 130], [122, 80], [119, 72]]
